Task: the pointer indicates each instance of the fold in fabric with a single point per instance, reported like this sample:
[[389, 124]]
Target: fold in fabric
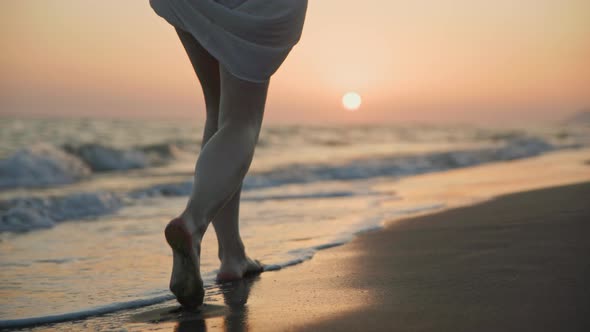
[[250, 38]]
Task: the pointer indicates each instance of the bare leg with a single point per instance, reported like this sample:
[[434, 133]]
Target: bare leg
[[221, 167], [234, 262], [185, 282], [226, 157], [207, 69]]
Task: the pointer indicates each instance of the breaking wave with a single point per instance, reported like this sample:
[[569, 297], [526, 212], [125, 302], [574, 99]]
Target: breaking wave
[[25, 214], [43, 165], [396, 166]]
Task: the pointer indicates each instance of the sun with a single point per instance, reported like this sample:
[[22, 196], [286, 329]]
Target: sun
[[351, 101]]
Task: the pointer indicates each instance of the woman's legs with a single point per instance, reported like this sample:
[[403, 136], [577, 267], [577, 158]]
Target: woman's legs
[[226, 157], [234, 262], [234, 116]]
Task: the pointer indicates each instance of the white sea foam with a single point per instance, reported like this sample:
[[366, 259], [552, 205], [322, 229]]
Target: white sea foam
[[40, 165], [46, 165], [103, 158], [400, 165], [25, 214], [33, 213], [395, 166], [43, 165]]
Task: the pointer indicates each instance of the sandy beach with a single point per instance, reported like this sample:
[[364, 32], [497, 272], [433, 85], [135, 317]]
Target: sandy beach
[[517, 262]]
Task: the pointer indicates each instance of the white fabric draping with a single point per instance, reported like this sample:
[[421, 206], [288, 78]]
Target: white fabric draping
[[250, 38]]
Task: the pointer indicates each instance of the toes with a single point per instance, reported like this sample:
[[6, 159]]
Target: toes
[[259, 266], [254, 267]]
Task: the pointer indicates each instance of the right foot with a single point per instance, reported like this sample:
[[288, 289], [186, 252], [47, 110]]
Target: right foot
[[186, 283], [235, 269]]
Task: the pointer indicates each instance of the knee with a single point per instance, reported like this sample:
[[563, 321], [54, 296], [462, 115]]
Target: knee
[[208, 132], [246, 132]]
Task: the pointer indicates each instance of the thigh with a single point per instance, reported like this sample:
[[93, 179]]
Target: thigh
[[242, 102], [205, 65]]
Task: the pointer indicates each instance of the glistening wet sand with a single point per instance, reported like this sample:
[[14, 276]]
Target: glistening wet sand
[[516, 263]]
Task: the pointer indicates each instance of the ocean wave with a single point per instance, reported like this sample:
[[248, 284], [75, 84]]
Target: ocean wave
[[103, 158], [401, 165], [25, 214], [397, 166], [43, 165]]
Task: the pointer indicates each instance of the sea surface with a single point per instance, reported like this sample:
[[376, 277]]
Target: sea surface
[[83, 202]]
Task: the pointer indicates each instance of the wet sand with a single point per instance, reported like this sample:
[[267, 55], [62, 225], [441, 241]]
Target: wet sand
[[516, 263]]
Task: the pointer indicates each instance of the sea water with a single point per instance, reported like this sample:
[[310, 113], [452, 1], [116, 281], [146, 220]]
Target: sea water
[[83, 202]]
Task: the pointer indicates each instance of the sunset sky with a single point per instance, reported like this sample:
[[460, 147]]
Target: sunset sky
[[500, 61]]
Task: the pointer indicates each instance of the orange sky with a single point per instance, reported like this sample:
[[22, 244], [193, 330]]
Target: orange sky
[[500, 61]]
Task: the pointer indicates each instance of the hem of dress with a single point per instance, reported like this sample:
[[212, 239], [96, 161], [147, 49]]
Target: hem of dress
[[176, 22], [243, 78]]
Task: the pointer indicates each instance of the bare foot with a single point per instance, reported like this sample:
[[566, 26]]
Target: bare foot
[[186, 283], [234, 269]]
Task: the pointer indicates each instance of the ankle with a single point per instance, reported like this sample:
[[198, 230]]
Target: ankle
[[194, 225], [236, 255]]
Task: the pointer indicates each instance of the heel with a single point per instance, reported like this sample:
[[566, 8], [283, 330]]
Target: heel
[[178, 236], [185, 282]]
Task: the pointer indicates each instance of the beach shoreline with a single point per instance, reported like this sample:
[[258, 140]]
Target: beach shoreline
[[337, 284], [509, 264]]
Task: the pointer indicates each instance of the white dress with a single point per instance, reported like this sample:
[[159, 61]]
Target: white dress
[[250, 38]]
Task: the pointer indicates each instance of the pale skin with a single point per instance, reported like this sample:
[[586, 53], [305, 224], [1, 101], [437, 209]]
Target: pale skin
[[235, 109]]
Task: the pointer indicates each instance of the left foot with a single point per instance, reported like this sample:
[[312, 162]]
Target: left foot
[[234, 269], [186, 283]]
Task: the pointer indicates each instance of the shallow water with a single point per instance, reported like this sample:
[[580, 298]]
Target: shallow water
[[93, 243]]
